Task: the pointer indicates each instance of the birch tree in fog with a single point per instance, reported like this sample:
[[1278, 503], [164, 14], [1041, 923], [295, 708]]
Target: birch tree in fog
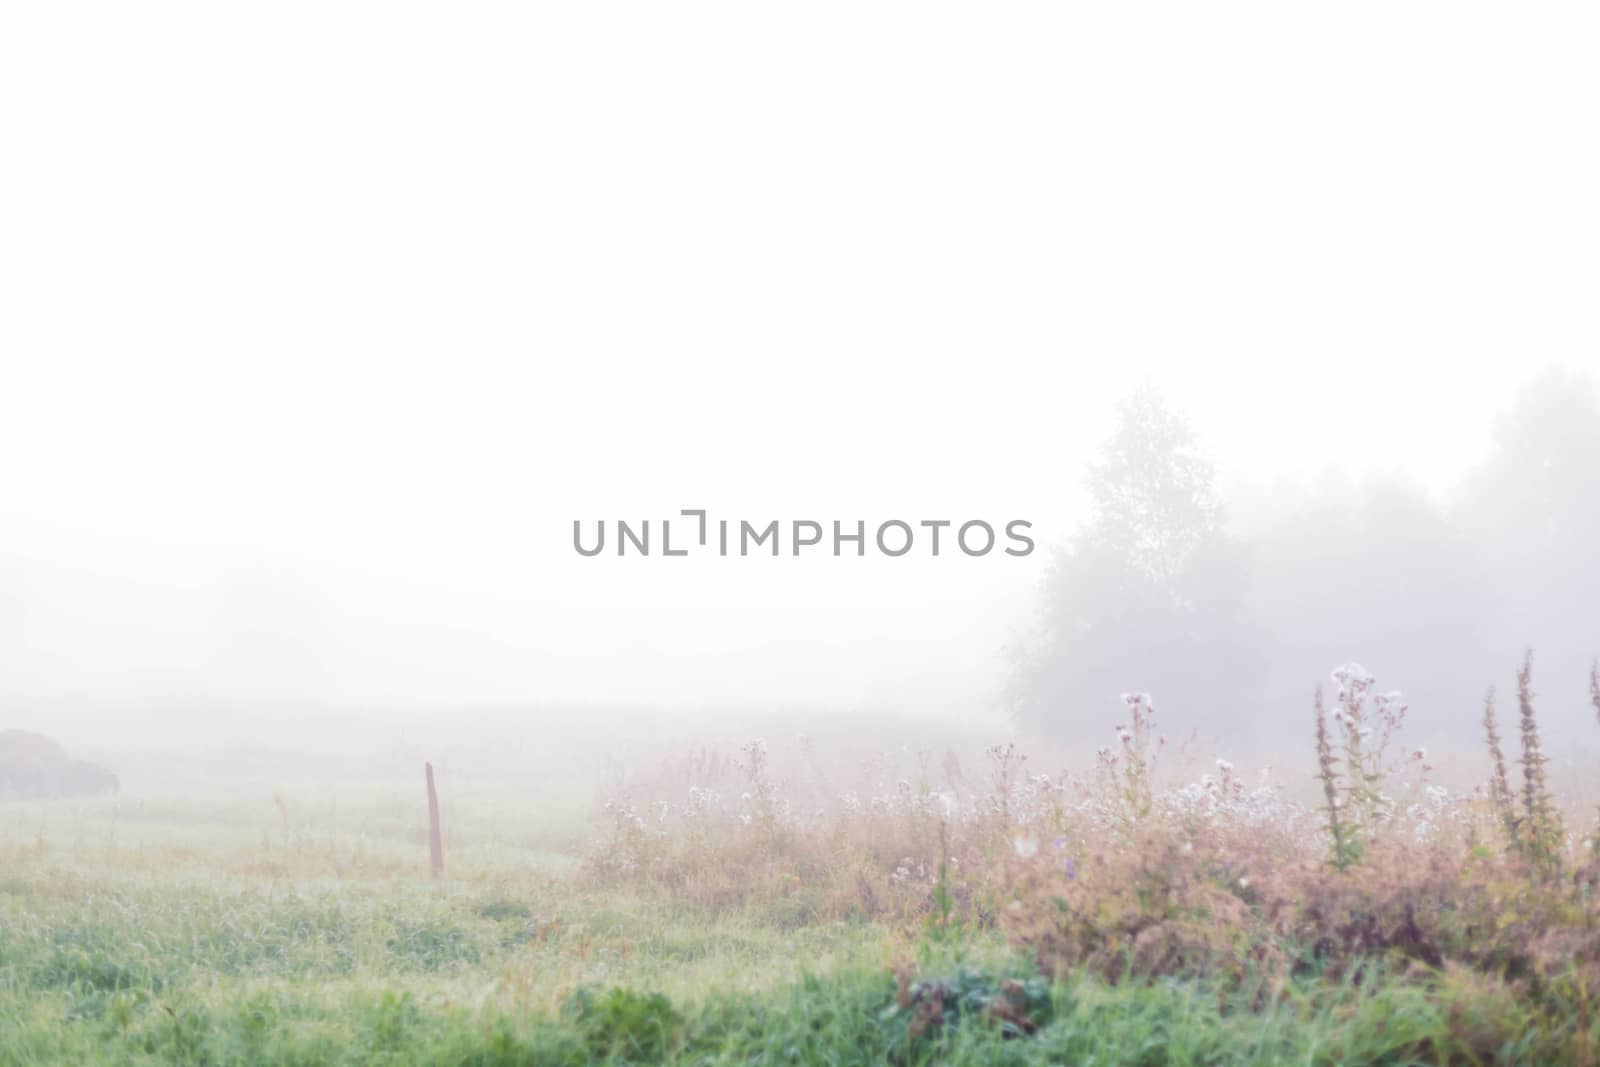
[[1147, 596]]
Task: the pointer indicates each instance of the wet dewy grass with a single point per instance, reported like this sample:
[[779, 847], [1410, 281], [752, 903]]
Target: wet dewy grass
[[853, 1015], [260, 938], [94, 970], [105, 963]]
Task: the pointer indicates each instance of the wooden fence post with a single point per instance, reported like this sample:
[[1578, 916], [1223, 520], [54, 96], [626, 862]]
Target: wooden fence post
[[435, 842]]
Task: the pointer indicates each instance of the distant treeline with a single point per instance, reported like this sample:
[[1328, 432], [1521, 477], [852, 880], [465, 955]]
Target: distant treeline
[[1230, 629]]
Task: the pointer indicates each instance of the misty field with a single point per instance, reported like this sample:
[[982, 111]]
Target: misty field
[[806, 903]]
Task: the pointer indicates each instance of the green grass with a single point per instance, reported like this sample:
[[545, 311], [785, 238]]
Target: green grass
[[225, 928], [848, 1016]]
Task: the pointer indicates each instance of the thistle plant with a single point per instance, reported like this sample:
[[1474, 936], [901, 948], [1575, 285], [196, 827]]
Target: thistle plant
[[1126, 773], [1594, 698], [1501, 798], [1007, 765], [761, 793], [943, 901], [1345, 849], [1351, 760], [1541, 828], [1594, 688], [1139, 755], [1366, 723]]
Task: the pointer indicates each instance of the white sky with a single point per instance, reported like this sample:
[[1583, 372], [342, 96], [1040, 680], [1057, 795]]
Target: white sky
[[319, 323]]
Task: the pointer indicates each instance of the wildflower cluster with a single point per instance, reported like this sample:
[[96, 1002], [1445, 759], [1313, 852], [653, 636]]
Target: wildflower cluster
[[1122, 871]]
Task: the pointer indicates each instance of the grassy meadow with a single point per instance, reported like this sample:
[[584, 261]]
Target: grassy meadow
[[812, 901]]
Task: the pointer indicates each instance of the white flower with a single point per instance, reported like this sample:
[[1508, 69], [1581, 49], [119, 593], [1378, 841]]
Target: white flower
[[1353, 675]]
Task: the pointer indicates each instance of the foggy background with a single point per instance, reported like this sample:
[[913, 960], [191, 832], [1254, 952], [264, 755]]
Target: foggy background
[[321, 325]]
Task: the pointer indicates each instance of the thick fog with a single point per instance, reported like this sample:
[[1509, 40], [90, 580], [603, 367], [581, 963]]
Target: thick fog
[[315, 348]]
